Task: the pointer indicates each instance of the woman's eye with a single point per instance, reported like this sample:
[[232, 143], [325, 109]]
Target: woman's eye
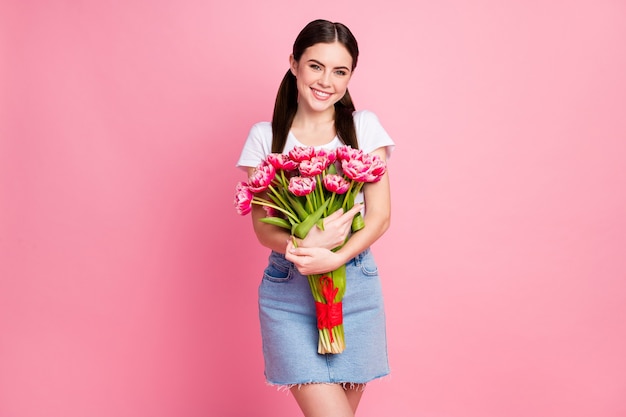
[[316, 67], [341, 72]]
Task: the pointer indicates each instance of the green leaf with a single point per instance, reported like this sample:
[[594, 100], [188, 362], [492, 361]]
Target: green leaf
[[302, 229], [337, 203], [357, 222], [277, 221], [298, 207], [339, 280]]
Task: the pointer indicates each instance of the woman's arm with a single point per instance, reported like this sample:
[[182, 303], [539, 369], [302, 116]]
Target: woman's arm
[[377, 219], [268, 235]]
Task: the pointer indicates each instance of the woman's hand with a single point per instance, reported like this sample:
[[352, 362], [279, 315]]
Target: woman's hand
[[336, 229], [314, 260]]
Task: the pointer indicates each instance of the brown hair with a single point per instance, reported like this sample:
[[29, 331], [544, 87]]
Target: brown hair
[[317, 31]]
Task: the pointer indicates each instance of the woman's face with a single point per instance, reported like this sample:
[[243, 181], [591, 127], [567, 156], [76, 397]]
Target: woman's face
[[322, 76]]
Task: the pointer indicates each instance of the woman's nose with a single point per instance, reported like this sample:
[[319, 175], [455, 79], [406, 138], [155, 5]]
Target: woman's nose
[[325, 79]]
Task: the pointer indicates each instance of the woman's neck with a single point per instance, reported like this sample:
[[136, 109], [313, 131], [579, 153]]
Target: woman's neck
[[308, 120], [314, 129]]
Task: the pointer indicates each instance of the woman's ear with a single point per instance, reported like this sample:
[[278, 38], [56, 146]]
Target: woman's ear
[[293, 65]]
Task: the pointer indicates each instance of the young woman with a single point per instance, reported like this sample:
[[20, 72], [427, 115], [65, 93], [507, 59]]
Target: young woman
[[313, 108]]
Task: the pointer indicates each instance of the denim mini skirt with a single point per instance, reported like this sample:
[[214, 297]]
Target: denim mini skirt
[[289, 326]]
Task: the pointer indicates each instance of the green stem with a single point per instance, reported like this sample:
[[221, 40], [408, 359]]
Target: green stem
[[347, 197], [278, 195], [329, 209], [320, 188], [268, 203], [309, 203]]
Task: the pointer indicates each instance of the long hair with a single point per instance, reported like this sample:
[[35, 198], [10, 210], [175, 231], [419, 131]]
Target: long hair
[[317, 31]]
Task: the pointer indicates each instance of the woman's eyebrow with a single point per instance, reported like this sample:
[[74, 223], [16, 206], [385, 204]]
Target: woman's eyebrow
[[322, 65]]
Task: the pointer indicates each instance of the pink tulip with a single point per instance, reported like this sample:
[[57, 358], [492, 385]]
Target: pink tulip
[[271, 211], [301, 186], [243, 198], [330, 155], [359, 171], [313, 166], [282, 161], [378, 168], [301, 153], [262, 177], [346, 153], [327, 158], [354, 169], [336, 184]]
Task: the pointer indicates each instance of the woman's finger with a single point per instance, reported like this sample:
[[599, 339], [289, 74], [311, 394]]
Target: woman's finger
[[348, 215], [333, 216]]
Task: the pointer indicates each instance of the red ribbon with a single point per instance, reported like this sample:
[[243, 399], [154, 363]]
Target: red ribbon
[[329, 314]]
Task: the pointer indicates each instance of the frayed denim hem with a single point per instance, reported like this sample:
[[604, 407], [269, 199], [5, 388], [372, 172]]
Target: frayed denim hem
[[345, 384]]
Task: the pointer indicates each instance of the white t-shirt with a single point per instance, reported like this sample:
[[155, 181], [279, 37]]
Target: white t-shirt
[[369, 132]]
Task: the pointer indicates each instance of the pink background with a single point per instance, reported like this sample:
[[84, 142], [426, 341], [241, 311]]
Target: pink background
[[128, 283]]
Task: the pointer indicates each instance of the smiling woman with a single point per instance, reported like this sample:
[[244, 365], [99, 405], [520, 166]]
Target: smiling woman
[[125, 275], [314, 109], [322, 78], [326, 44]]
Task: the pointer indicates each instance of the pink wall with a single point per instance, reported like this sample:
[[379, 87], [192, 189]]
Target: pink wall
[[128, 283]]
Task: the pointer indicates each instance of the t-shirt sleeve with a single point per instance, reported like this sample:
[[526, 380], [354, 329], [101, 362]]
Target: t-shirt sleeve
[[257, 145], [371, 134]]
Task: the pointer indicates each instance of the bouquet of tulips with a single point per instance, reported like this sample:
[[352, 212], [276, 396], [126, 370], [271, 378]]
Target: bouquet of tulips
[[298, 190]]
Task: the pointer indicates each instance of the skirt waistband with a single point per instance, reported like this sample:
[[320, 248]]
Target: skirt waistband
[[354, 261]]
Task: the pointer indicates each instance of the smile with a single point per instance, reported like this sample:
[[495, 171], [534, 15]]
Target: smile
[[320, 94]]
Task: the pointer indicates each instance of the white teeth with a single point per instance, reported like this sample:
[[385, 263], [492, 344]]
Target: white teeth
[[321, 93]]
